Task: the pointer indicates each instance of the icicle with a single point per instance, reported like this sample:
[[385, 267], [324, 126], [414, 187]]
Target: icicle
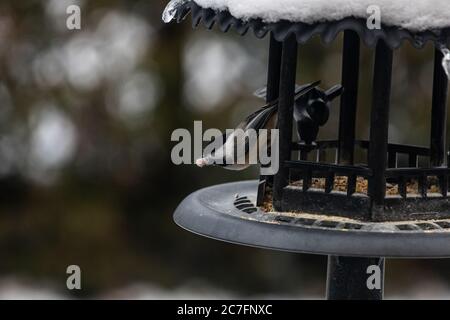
[[446, 60], [171, 10]]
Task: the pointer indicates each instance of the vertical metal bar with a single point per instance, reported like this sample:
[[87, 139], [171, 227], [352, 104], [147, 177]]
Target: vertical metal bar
[[303, 155], [321, 155], [402, 190], [413, 160], [273, 86], [443, 184], [392, 159], [379, 121], [423, 185], [348, 278], [349, 98], [438, 112], [285, 115], [351, 184], [273, 75], [318, 154], [329, 182], [307, 177]]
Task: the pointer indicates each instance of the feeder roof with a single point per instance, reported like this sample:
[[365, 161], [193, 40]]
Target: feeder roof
[[419, 23], [419, 15]]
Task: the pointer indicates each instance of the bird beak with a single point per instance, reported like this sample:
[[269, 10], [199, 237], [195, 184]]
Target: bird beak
[[201, 162]]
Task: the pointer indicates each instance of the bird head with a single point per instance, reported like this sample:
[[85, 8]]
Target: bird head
[[312, 111]]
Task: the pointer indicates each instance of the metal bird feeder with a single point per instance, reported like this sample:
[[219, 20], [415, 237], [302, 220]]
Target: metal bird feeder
[[356, 213]]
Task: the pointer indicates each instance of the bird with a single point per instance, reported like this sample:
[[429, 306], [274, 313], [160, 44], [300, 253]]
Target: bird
[[312, 111], [228, 155]]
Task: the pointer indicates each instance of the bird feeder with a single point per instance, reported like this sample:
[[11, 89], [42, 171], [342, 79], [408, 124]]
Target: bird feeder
[[356, 213]]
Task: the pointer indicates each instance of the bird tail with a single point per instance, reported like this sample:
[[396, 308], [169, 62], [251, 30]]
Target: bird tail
[[334, 92]]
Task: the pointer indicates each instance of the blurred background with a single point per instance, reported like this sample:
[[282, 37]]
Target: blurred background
[[86, 178]]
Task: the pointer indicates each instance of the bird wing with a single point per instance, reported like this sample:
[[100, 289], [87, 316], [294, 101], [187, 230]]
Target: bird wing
[[306, 88], [262, 92], [260, 117]]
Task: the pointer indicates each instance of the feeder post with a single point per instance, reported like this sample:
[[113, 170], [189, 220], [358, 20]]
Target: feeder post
[[349, 278], [285, 115], [379, 122], [273, 86], [349, 98], [438, 113]]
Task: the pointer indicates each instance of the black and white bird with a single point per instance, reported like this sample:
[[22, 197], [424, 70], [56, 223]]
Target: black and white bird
[[231, 156]]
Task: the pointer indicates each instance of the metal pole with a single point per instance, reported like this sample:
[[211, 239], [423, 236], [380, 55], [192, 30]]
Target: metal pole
[[273, 75], [351, 278], [438, 112], [379, 122], [349, 98], [285, 115], [273, 87]]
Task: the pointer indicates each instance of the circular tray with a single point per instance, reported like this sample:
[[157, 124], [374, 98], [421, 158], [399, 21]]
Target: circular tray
[[226, 212]]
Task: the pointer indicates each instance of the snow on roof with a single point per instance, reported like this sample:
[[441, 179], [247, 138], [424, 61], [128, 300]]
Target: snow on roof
[[418, 15]]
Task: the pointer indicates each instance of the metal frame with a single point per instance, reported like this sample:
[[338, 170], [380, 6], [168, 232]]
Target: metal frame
[[303, 32], [382, 157]]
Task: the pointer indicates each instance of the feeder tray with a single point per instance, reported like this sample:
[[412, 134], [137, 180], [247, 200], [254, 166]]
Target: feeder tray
[[227, 212]]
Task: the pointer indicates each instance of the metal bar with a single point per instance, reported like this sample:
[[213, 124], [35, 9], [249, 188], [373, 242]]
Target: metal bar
[[400, 148], [307, 176], [329, 182], [273, 75], [322, 155], [285, 115], [379, 121], [438, 112], [349, 98], [319, 155], [414, 172], [303, 155], [404, 148], [273, 86], [364, 144], [348, 278], [351, 184], [413, 160], [324, 167], [443, 184], [423, 185], [392, 160], [402, 190]]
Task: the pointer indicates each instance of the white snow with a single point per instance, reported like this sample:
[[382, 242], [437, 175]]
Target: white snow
[[415, 15]]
